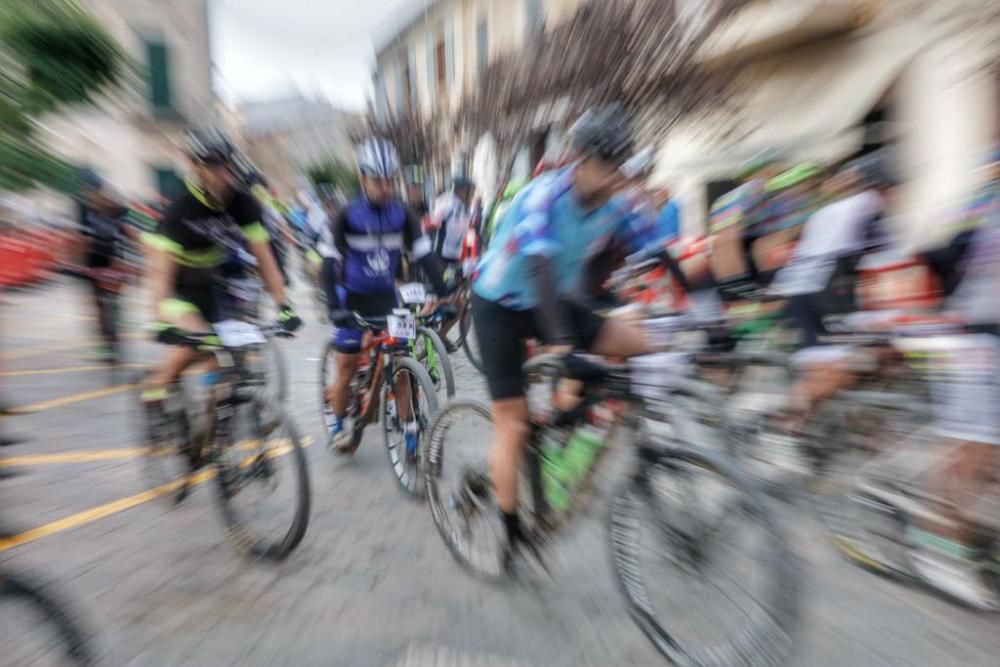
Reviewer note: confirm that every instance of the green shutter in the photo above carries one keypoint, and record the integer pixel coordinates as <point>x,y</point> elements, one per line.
<point>169,184</point>
<point>159,75</point>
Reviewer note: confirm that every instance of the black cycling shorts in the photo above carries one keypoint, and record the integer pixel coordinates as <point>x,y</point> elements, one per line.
<point>203,300</point>
<point>502,332</point>
<point>807,312</point>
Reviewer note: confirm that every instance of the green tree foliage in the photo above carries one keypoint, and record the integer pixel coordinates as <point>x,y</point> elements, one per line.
<point>52,54</point>
<point>334,173</point>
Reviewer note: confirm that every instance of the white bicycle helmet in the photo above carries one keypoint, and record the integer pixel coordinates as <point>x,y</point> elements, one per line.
<point>377,158</point>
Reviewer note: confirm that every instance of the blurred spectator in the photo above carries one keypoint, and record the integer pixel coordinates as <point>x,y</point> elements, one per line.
<point>416,201</point>
<point>104,227</point>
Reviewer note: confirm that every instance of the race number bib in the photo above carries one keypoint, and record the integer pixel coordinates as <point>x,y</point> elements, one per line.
<point>234,333</point>
<point>401,324</point>
<point>413,294</point>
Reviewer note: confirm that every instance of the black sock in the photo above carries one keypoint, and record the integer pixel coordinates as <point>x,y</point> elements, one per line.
<point>513,525</point>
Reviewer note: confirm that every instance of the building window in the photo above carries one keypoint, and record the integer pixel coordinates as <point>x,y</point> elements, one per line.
<point>168,183</point>
<point>534,18</point>
<point>431,69</point>
<point>401,87</point>
<point>482,45</point>
<point>441,66</point>
<point>411,78</point>
<point>158,60</point>
<point>449,51</point>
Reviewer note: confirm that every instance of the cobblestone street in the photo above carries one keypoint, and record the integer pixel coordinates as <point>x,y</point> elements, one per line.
<point>372,583</point>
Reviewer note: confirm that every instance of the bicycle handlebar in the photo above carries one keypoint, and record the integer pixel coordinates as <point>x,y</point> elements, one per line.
<point>204,340</point>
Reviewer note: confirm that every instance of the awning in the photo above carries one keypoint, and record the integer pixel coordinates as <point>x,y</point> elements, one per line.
<point>807,104</point>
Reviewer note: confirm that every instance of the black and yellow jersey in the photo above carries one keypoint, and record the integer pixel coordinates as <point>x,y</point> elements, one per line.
<point>201,232</point>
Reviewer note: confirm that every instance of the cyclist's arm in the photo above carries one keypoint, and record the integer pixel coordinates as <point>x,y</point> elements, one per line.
<point>162,270</point>
<point>549,311</point>
<point>639,235</point>
<point>534,237</point>
<point>420,248</point>
<point>248,217</point>
<point>163,245</point>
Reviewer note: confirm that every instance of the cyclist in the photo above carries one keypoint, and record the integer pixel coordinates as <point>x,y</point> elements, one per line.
<point>369,237</point>
<point>415,195</point>
<point>966,394</point>
<point>730,221</point>
<point>199,229</point>
<point>528,283</point>
<point>813,281</point>
<point>450,220</point>
<point>104,230</point>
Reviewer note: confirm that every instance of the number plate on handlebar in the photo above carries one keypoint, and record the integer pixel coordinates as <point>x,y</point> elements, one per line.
<point>401,324</point>
<point>234,333</point>
<point>413,293</point>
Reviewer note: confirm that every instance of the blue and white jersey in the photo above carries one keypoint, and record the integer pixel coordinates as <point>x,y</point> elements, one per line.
<point>369,242</point>
<point>546,219</point>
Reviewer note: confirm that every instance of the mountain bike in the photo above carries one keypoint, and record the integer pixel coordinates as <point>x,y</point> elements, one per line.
<point>243,439</point>
<point>241,298</point>
<point>37,627</point>
<point>427,346</point>
<point>385,371</point>
<point>675,511</point>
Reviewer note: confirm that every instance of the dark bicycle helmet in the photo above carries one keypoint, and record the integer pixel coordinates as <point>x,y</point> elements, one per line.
<point>876,169</point>
<point>604,132</point>
<point>210,145</point>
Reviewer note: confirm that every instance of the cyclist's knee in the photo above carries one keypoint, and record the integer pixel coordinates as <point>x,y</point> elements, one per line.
<point>511,421</point>
<point>347,363</point>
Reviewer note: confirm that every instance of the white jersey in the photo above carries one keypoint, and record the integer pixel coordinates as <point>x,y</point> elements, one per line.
<point>451,218</point>
<point>319,223</point>
<point>834,231</point>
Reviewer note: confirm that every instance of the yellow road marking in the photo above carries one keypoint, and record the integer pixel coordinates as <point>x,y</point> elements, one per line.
<point>120,505</point>
<point>73,457</point>
<point>66,369</point>
<point>88,456</point>
<point>99,512</point>
<point>77,345</point>
<point>69,400</point>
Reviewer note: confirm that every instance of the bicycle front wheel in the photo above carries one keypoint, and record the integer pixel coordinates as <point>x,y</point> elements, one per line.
<point>470,341</point>
<point>458,487</point>
<point>703,566</point>
<point>36,628</point>
<point>409,403</point>
<point>263,482</point>
<point>431,352</point>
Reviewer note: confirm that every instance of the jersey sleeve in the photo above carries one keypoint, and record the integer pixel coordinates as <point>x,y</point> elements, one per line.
<point>637,231</point>
<point>169,234</point>
<point>249,215</point>
<point>414,239</point>
<point>534,235</point>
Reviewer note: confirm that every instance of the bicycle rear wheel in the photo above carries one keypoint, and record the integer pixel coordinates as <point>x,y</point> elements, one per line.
<point>669,526</point>
<point>422,404</point>
<point>36,628</point>
<point>166,444</point>
<point>263,482</point>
